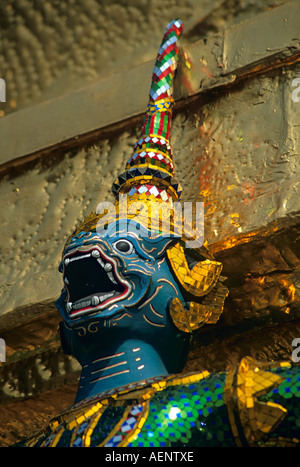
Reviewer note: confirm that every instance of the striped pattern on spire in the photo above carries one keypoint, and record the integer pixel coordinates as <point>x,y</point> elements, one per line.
<point>150,170</point>
<point>166,62</point>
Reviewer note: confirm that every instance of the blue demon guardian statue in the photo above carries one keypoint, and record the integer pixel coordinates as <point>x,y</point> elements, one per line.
<point>133,293</point>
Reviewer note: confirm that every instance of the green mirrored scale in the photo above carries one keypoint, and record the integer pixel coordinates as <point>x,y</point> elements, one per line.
<point>183,415</point>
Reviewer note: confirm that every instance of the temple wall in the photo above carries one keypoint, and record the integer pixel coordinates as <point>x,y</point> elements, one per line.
<point>50,47</point>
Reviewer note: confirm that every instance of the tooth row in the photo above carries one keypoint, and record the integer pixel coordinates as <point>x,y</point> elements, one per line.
<point>96,254</point>
<point>81,304</point>
<point>108,295</point>
<point>69,260</point>
<point>94,301</point>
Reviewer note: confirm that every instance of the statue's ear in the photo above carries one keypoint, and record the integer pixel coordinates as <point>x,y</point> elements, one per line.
<point>190,316</point>
<point>196,271</point>
<point>198,274</point>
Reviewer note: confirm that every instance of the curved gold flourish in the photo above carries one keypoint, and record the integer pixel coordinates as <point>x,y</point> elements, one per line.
<point>189,319</point>
<point>199,280</point>
<point>192,317</point>
<point>250,419</point>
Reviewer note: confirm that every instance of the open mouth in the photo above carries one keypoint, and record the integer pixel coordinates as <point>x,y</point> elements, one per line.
<point>92,281</point>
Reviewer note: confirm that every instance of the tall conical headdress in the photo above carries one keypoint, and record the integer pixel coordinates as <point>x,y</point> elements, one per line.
<point>150,171</point>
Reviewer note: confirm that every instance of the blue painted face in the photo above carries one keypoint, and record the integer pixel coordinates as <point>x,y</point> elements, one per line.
<point>115,277</point>
<point>121,289</point>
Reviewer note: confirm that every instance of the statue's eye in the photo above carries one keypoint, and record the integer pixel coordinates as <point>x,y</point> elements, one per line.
<point>124,246</point>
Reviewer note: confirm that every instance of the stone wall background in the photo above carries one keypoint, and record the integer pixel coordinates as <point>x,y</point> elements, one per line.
<point>49,47</point>
<point>235,148</point>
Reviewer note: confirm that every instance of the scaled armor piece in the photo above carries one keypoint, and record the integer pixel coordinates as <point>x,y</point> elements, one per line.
<point>133,293</point>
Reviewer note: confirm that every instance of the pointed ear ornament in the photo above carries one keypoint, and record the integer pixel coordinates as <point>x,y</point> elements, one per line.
<point>197,281</point>
<point>201,282</point>
<point>251,419</point>
<point>191,316</point>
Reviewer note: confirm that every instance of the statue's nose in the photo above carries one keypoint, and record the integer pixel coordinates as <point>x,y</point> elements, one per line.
<point>81,235</point>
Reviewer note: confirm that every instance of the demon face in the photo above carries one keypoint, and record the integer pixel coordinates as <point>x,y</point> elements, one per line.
<point>112,273</point>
